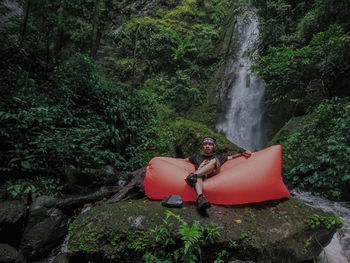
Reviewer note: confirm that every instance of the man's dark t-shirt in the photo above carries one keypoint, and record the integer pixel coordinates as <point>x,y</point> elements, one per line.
<point>201,160</point>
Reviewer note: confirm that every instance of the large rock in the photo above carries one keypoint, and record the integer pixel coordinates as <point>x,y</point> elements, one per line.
<point>9,254</point>
<point>188,136</point>
<point>12,216</point>
<point>45,228</point>
<point>294,125</point>
<point>276,231</point>
<point>47,221</point>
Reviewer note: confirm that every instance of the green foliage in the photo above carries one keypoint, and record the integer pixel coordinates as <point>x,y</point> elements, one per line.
<point>295,22</point>
<point>181,46</point>
<point>158,244</point>
<point>38,185</point>
<point>250,238</point>
<point>175,91</point>
<point>322,14</point>
<point>303,52</point>
<point>304,76</point>
<point>316,221</point>
<point>79,118</point>
<point>222,256</point>
<point>307,244</point>
<point>57,105</point>
<point>172,53</point>
<point>211,232</point>
<point>320,154</point>
<point>232,244</point>
<point>243,235</point>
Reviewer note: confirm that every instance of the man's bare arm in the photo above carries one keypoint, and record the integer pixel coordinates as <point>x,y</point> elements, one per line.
<point>245,153</point>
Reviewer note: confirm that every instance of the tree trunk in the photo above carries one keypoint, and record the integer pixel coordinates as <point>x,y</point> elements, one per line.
<point>134,187</point>
<point>74,202</point>
<point>95,31</point>
<point>25,21</point>
<point>59,37</point>
<point>48,33</point>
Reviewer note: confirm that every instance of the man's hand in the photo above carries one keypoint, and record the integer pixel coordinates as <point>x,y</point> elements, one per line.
<point>247,153</point>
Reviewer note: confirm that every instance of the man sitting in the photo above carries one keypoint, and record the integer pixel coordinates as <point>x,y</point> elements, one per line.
<point>207,165</point>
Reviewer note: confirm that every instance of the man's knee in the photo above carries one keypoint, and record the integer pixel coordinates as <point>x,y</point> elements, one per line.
<point>212,165</point>
<point>213,162</point>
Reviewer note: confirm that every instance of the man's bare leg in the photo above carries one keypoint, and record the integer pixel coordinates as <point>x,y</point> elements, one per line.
<point>199,186</point>
<point>207,169</point>
<point>202,202</point>
<point>192,178</point>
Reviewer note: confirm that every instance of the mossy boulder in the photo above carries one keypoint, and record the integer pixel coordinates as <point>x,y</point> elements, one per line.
<point>275,231</point>
<point>182,138</point>
<point>294,125</point>
<point>315,149</point>
<point>188,136</point>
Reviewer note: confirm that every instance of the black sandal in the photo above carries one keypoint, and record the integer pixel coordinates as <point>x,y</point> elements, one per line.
<point>191,179</point>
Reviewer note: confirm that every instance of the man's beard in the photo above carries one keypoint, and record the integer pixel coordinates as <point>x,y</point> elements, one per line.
<point>208,151</point>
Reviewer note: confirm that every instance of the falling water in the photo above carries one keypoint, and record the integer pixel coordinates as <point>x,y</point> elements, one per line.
<point>9,8</point>
<point>242,123</point>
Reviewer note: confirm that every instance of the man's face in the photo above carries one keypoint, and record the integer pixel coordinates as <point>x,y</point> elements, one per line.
<point>208,148</point>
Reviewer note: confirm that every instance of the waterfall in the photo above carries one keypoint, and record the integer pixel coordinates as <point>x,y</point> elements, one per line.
<point>242,123</point>
<point>242,126</point>
<point>8,9</point>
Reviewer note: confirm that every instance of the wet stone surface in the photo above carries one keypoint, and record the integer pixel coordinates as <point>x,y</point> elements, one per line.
<point>277,231</point>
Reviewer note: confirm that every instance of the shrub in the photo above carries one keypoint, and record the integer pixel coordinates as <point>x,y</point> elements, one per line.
<point>305,76</point>
<point>320,156</point>
<point>78,118</point>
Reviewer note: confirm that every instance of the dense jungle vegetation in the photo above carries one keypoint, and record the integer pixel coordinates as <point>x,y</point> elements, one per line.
<point>305,62</point>
<point>100,82</point>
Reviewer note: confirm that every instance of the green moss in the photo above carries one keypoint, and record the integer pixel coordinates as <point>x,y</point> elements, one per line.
<point>110,230</point>
<point>158,240</point>
<point>188,136</point>
<point>294,125</point>
<point>226,47</point>
<point>287,135</point>
<point>252,238</point>
<point>88,242</point>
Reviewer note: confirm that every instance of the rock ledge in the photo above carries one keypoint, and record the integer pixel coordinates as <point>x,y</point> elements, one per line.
<point>275,231</point>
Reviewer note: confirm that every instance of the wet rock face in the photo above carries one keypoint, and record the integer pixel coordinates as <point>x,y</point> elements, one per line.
<point>9,254</point>
<point>45,228</point>
<point>36,230</point>
<point>12,216</point>
<point>276,231</point>
<point>45,235</point>
<point>62,258</point>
